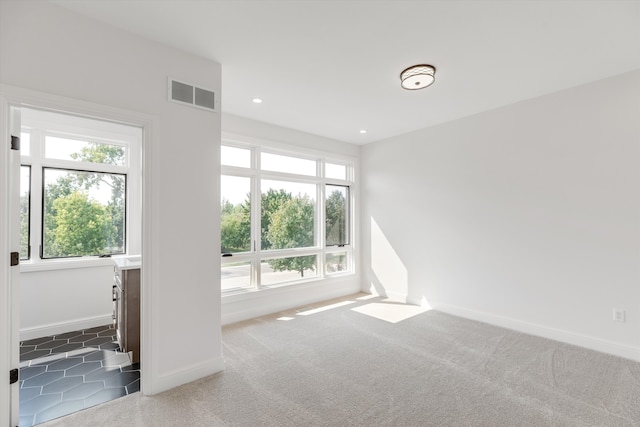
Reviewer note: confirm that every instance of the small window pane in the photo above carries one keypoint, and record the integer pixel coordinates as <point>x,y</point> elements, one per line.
<point>232,156</point>
<point>277,163</point>
<point>83,213</point>
<point>287,215</point>
<point>284,270</point>
<point>25,144</point>
<point>83,151</point>
<point>337,215</point>
<point>25,211</point>
<point>236,276</point>
<point>336,262</point>
<point>235,214</point>
<point>335,171</point>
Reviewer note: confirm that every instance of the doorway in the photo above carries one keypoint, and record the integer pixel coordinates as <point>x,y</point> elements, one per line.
<point>73,164</point>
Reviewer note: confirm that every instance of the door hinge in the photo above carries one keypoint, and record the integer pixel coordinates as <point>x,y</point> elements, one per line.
<point>15,143</point>
<point>15,259</point>
<point>14,375</point>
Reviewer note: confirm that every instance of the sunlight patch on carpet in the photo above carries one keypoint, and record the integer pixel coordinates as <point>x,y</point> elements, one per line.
<point>366,297</point>
<point>392,313</point>
<point>324,308</point>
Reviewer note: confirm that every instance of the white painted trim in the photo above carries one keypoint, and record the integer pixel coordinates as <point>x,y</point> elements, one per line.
<point>186,375</point>
<point>62,327</point>
<point>150,210</point>
<point>592,343</point>
<point>244,306</point>
<point>5,271</point>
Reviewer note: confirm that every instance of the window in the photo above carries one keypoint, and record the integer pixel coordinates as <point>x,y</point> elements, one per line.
<point>233,156</point>
<point>285,217</point>
<point>84,151</point>
<point>335,171</point>
<point>288,164</point>
<point>290,269</point>
<point>76,197</point>
<point>287,214</point>
<point>337,215</point>
<point>235,213</point>
<point>25,211</point>
<point>336,262</point>
<point>25,143</point>
<point>84,213</point>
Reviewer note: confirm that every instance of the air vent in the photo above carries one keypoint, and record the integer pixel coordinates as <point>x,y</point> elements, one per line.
<point>185,93</point>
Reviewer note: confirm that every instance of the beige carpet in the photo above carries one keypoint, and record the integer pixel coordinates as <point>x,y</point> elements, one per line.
<point>366,362</point>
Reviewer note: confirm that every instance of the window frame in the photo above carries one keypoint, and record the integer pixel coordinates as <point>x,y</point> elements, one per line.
<point>42,123</point>
<point>257,256</point>
<point>43,217</point>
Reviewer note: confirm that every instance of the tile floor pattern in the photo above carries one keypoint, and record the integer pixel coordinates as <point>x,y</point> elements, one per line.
<point>69,372</point>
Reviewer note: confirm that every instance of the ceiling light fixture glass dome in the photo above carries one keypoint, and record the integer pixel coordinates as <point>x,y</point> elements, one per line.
<point>418,77</point>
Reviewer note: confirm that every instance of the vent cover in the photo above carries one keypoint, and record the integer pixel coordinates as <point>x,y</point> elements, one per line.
<point>198,97</point>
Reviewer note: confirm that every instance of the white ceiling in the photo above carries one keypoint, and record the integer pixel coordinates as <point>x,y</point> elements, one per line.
<point>332,68</point>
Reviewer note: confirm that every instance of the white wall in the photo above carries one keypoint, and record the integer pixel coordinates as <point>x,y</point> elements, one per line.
<point>49,49</point>
<point>526,216</point>
<point>58,301</point>
<point>249,305</point>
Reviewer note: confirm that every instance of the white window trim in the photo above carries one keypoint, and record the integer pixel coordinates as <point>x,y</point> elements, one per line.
<point>254,172</point>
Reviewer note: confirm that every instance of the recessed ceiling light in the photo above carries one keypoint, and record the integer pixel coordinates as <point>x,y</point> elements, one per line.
<point>418,76</point>
<point>363,131</point>
<point>256,101</point>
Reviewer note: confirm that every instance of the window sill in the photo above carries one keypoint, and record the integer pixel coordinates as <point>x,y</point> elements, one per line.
<point>64,264</point>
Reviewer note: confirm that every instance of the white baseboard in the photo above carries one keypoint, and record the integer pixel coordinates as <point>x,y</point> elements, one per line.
<point>183,376</point>
<point>592,343</point>
<point>62,327</point>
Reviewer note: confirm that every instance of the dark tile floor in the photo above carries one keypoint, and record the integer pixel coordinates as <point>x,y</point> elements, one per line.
<point>69,372</point>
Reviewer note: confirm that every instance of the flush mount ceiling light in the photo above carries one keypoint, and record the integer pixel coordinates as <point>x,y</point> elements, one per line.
<point>418,76</point>
<point>256,101</point>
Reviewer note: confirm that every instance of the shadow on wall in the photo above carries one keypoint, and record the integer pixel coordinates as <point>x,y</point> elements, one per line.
<point>390,276</point>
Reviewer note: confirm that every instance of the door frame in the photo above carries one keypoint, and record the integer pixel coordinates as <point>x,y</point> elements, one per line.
<point>12,96</point>
<point>9,234</point>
